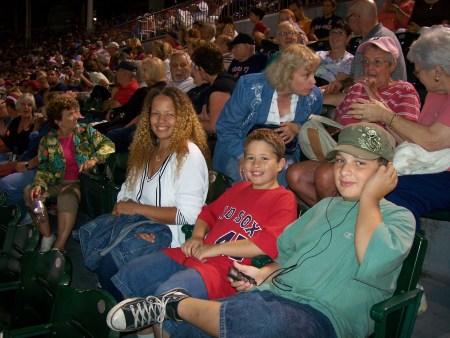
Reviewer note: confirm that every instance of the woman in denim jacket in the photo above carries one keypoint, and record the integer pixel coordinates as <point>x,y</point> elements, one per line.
<point>64,152</point>
<point>281,98</point>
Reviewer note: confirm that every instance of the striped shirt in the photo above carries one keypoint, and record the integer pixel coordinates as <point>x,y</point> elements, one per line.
<point>401,97</point>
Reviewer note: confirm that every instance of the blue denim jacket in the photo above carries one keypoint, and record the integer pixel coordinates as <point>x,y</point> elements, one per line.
<point>249,105</point>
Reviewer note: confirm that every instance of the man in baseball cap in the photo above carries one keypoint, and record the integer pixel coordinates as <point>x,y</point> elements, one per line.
<point>246,59</point>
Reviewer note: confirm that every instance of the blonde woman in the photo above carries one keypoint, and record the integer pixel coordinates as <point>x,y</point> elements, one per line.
<point>282,98</point>
<point>166,187</point>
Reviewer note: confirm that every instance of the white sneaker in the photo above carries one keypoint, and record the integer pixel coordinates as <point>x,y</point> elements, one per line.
<point>47,243</point>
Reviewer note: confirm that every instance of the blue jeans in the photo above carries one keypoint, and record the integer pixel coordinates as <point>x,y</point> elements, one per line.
<point>155,274</point>
<point>264,314</point>
<point>116,235</point>
<point>422,193</point>
<point>14,184</point>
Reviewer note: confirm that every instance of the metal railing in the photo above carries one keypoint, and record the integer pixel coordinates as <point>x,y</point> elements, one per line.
<point>155,25</point>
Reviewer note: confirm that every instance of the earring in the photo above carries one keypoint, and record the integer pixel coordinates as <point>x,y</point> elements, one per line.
<point>436,79</point>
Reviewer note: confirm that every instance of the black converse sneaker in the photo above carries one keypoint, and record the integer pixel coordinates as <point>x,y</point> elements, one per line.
<point>135,314</point>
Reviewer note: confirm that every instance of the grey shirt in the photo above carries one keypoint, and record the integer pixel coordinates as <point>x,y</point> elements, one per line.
<point>378,31</point>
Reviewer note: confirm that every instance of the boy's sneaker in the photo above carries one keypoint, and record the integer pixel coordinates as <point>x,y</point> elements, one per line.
<point>135,314</point>
<point>47,243</point>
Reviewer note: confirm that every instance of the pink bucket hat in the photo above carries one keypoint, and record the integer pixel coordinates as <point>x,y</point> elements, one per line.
<point>384,43</point>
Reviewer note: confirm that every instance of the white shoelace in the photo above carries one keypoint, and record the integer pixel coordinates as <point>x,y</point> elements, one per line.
<point>152,308</point>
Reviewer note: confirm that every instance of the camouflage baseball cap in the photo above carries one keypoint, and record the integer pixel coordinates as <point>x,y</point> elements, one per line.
<point>367,141</point>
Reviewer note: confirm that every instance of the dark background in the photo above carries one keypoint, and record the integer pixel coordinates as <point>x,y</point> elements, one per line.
<point>54,13</point>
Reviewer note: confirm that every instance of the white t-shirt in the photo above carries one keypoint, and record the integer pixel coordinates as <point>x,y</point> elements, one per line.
<point>186,191</point>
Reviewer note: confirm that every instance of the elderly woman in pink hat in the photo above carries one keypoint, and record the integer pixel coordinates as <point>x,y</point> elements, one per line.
<point>313,180</point>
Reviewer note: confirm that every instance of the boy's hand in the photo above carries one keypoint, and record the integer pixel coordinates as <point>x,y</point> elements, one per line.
<point>191,246</point>
<point>205,251</point>
<point>249,271</point>
<point>382,183</point>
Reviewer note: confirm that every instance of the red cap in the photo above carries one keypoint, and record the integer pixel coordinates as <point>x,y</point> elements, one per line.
<point>33,84</point>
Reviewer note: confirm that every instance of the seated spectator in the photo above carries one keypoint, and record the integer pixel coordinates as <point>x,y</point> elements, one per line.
<point>133,43</point>
<point>67,150</point>
<point>103,66</point>
<point>286,35</point>
<point>395,14</point>
<point>230,229</point>
<point>311,287</point>
<point>260,30</point>
<point>199,94</point>
<point>53,75</point>
<point>283,96</point>
<point>113,50</point>
<point>321,26</point>
<point>3,109</point>
<point>363,20</point>
<point>139,53</point>
<point>226,23</point>
<point>229,29</point>
<point>296,6</point>
<point>168,156</point>
<point>163,50</point>
<point>427,13</point>
<point>246,59</point>
<point>79,79</point>
<point>100,51</point>
<point>336,63</point>
<point>125,85</point>
<point>193,44</point>
<point>173,39</point>
<point>417,190</point>
<point>180,70</point>
<point>288,15</point>
<point>208,31</point>
<point>209,61</point>
<point>153,73</point>
<point>191,33</point>
<point>223,43</point>
<point>312,180</point>
<point>20,173</point>
<point>10,103</point>
<point>96,78</point>
<point>34,87</point>
<point>16,135</point>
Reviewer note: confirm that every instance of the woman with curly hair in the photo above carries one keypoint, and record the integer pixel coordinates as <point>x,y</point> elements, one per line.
<point>166,187</point>
<point>68,149</point>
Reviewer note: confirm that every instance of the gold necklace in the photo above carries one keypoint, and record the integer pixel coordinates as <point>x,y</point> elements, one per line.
<point>159,155</point>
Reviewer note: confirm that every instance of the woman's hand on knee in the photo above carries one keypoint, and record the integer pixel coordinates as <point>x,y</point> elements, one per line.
<point>147,237</point>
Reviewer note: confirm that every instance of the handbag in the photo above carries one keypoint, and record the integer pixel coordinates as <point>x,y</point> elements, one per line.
<point>314,140</point>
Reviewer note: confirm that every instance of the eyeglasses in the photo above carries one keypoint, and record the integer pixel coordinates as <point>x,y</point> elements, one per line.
<point>377,63</point>
<point>286,34</point>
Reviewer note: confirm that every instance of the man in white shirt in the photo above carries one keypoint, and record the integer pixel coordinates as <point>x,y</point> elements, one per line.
<point>180,69</point>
